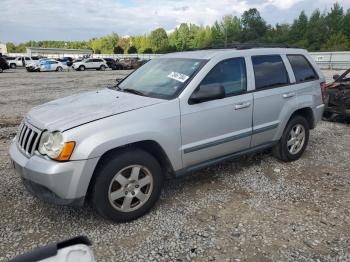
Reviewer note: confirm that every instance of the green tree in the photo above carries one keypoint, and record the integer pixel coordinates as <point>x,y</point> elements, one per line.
<point>254,26</point>
<point>298,28</point>
<point>316,32</point>
<point>118,50</point>
<point>337,42</point>
<point>159,40</point>
<point>11,47</point>
<point>132,50</point>
<point>346,21</point>
<point>335,20</point>
<point>148,50</point>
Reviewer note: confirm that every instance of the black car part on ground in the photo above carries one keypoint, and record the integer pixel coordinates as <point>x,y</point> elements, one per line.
<point>338,98</point>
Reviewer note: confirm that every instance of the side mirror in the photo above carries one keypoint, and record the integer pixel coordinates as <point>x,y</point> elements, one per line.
<point>335,77</point>
<point>206,93</point>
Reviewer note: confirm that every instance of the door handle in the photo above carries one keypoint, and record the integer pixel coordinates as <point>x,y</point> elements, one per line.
<point>242,105</point>
<point>287,95</point>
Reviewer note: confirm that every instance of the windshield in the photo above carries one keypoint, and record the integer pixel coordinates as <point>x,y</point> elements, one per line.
<point>163,77</point>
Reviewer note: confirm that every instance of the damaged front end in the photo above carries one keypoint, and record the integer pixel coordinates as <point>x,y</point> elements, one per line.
<point>338,98</point>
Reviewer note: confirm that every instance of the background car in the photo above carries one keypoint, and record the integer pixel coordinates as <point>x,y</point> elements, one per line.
<point>111,63</point>
<point>91,63</point>
<point>3,64</point>
<point>47,65</point>
<point>66,60</point>
<point>22,61</point>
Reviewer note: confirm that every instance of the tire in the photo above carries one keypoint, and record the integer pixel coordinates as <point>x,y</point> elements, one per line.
<point>1,70</point>
<point>106,179</point>
<point>13,66</point>
<point>285,152</point>
<point>102,68</point>
<point>59,69</point>
<point>81,68</point>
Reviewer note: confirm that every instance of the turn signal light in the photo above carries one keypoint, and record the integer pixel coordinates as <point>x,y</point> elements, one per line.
<point>66,151</point>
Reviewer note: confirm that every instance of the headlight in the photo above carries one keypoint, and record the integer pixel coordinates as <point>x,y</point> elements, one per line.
<point>51,144</point>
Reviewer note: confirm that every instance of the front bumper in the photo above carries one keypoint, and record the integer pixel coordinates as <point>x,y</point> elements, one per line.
<point>62,183</point>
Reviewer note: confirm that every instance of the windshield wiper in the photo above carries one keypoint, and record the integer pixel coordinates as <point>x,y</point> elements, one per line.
<point>133,91</point>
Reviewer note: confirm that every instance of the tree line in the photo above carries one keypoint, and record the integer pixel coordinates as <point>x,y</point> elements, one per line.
<point>327,31</point>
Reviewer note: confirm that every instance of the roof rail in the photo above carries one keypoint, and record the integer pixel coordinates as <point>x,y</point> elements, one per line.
<point>242,46</point>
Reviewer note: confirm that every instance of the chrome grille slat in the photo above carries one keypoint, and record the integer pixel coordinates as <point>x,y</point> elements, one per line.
<point>24,137</point>
<point>28,139</point>
<point>22,134</point>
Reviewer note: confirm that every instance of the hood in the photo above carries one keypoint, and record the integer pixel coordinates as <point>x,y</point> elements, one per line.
<point>72,111</point>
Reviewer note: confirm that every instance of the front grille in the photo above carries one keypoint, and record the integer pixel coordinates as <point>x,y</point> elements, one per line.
<point>27,139</point>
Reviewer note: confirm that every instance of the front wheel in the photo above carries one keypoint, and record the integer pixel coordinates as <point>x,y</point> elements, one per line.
<point>13,66</point>
<point>127,185</point>
<point>1,70</point>
<point>81,68</point>
<point>102,68</point>
<point>59,69</point>
<point>294,140</point>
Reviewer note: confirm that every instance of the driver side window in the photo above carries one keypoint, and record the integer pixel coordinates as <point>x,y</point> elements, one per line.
<point>231,74</point>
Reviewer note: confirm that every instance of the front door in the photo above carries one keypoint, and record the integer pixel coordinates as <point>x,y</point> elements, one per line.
<point>218,127</point>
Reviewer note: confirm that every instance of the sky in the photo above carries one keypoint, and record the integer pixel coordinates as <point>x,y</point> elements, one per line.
<point>69,20</point>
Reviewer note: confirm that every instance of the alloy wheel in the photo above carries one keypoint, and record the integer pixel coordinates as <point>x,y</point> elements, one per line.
<point>130,188</point>
<point>296,139</point>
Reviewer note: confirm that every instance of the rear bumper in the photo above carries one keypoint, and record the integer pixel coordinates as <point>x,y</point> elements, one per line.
<point>62,183</point>
<point>318,112</point>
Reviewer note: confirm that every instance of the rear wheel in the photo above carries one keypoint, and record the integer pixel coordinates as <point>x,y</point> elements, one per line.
<point>102,68</point>
<point>127,185</point>
<point>59,69</point>
<point>294,140</point>
<point>1,70</point>
<point>81,68</point>
<point>13,66</point>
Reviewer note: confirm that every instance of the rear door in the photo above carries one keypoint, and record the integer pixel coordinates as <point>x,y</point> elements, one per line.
<point>272,92</point>
<point>307,81</point>
<point>89,63</point>
<point>219,127</point>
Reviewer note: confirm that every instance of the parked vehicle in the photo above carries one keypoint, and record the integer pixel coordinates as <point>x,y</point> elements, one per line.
<point>178,113</point>
<point>91,63</point>
<point>22,61</point>
<point>3,64</point>
<point>66,61</point>
<point>129,63</point>
<point>338,98</point>
<point>111,63</point>
<point>46,65</point>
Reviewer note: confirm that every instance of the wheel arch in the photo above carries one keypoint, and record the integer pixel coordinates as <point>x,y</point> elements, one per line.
<point>305,112</point>
<point>150,146</point>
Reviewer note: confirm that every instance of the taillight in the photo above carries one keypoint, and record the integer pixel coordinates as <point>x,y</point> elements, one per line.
<point>323,91</point>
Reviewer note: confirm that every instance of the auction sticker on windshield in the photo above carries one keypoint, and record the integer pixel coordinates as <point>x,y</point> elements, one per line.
<point>178,76</point>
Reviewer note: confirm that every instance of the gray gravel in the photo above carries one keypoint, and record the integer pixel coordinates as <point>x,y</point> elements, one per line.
<point>254,208</point>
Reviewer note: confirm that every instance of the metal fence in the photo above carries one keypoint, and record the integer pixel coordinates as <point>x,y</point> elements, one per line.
<point>332,60</point>
<point>325,60</point>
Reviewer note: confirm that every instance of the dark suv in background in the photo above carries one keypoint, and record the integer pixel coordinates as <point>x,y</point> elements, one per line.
<point>111,63</point>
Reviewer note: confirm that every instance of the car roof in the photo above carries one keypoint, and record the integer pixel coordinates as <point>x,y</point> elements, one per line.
<point>211,53</point>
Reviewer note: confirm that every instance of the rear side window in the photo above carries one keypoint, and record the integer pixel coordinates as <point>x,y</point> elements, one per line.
<point>231,74</point>
<point>269,71</point>
<point>303,71</point>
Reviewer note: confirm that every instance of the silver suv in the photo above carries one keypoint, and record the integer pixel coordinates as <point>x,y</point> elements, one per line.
<point>176,114</point>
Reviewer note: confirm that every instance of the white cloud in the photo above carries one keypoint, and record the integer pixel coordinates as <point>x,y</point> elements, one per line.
<point>83,19</point>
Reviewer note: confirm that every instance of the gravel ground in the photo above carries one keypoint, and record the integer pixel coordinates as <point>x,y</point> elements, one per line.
<point>254,208</point>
